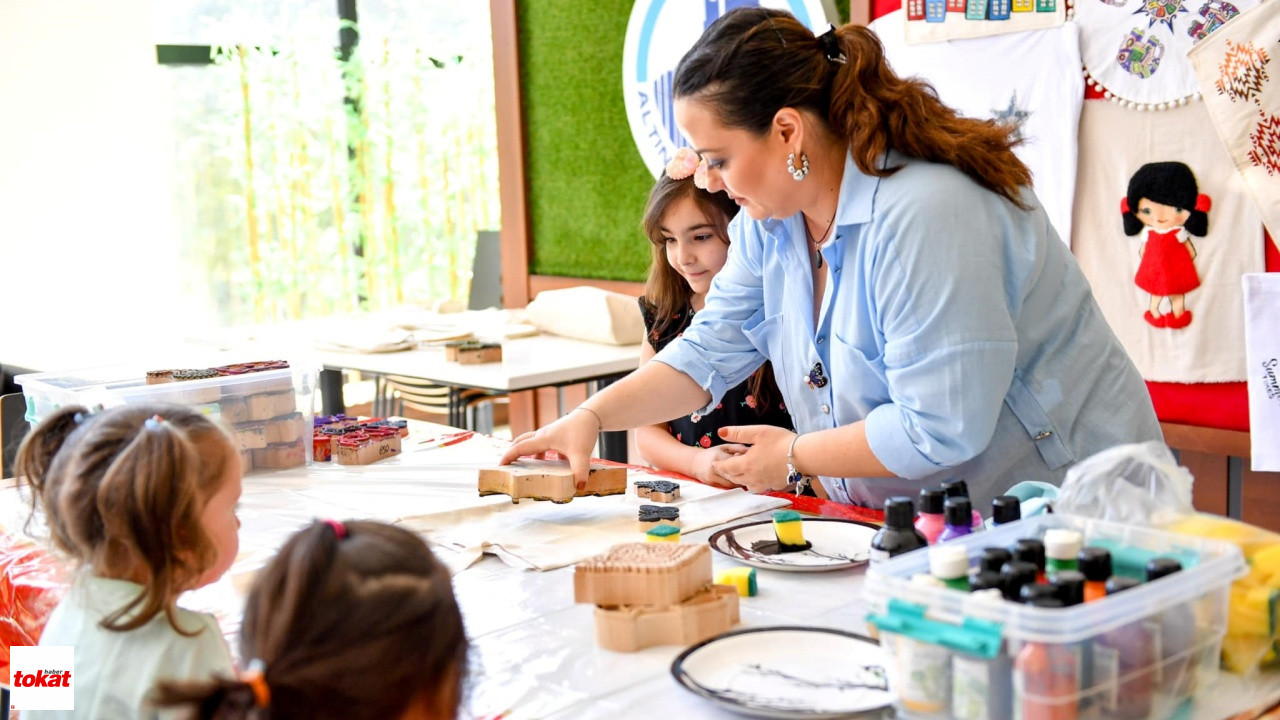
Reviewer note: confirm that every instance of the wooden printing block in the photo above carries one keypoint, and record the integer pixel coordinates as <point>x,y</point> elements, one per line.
<point>280,455</point>
<point>233,409</point>
<point>658,490</point>
<point>266,405</point>
<point>321,447</point>
<point>246,461</point>
<point>710,612</point>
<point>401,425</point>
<point>651,515</point>
<point>252,435</point>
<point>472,352</point>
<point>550,480</point>
<point>285,429</point>
<point>366,446</point>
<point>643,574</point>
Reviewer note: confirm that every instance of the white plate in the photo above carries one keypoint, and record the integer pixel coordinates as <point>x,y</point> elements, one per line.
<point>836,545</point>
<point>789,672</point>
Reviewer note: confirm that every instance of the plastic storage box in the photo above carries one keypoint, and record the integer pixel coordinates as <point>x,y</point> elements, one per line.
<point>268,412</point>
<point>1140,654</point>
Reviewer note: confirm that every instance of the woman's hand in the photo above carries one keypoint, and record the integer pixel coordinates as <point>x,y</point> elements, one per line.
<point>763,466</point>
<point>704,460</point>
<point>573,436</point>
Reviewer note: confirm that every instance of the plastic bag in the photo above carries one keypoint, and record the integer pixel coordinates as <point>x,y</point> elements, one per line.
<point>1139,484</point>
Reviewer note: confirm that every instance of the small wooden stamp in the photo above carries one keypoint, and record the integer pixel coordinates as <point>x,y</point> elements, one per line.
<point>233,409</point>
<point>155,377</point>
<point>550,480</point>
<point>472,352</point>
<point>651,515</point>
<point>630,628</point>
<point>285,429</point>
<point>280,455</point>
<point>321,447</point>
<point>252,435</point>
<point>643,574</point>
<point>266,405</point>
<point>364,447</point>
<point>658,490</point>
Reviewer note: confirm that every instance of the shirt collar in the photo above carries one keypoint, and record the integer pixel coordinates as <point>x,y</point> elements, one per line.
<point>857,191</point>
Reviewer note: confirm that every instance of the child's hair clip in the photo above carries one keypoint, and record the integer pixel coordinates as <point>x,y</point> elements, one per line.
<point>683,164</point>
<point>152,422</point>
<point>255,677</point>
<point>338,528</point>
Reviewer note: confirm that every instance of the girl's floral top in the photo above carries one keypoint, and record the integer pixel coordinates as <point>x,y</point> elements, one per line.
<point>738,407</point>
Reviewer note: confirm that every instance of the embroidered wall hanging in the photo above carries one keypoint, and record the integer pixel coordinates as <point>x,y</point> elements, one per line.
<point>1135,51</point>
<point>1239,76</point>
<point>933,20</point>
<point>1164,231</point>
<point>1027,79</point>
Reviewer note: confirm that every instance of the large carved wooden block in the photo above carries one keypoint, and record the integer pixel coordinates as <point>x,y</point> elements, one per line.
<point>710,612</point>
<point>550,480</point>
<point>643,574</point>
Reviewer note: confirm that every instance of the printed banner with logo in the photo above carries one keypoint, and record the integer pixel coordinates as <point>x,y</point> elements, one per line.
<point>1240,80</point>
<point>1030,80</point>
<point>659,33</point>
<point>1164,230</point>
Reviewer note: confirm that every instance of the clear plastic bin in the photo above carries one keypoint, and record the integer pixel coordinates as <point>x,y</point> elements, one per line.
<point>1138,655</point>
<point>269,413</point>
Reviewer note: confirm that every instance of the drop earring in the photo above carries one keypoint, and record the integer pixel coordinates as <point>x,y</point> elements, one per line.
<point>797,173</point>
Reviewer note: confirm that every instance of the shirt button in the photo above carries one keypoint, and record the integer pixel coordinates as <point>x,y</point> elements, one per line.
<point>826,409</point>
<point>1043,434</point>
<point>821,339</point>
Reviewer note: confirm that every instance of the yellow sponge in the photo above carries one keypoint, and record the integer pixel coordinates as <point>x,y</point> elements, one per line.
<point>789,529</point>
<point>663,533</point>
<point>742,578</point>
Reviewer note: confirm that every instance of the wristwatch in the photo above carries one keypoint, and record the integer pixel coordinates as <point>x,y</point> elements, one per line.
<point>795,479</point>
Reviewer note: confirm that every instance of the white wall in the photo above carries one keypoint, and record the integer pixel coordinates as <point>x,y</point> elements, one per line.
<point>84,220</point>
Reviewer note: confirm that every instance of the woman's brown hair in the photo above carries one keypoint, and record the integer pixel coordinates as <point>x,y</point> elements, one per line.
<point>666,291</point>
<point>357,622</point>
<point>753,62</point>
<point>122,492</point>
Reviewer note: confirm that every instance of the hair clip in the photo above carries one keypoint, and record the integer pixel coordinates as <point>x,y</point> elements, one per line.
<point>255,677</point>
<point>831,46</point>
<point>78,417</point>
<point>338,528</point>
<point>152,422</point>
<point>683,164</point>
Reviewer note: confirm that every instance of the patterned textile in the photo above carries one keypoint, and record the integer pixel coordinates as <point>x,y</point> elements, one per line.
<point>1239,76</point>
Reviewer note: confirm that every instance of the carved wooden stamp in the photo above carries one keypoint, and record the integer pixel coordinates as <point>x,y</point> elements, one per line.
<point>472,352</point>
<point>643,574</point>
<point>658,490</point>
<point>366,446</point>
<point>630,628</point>
<point>651,515</point>
<point>550,480</point>
<point>280,455</point>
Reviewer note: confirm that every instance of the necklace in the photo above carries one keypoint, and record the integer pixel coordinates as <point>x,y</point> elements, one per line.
<point>817,244</point>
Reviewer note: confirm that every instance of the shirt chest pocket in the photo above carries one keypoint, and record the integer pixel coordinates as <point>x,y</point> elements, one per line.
<point>858,378</point>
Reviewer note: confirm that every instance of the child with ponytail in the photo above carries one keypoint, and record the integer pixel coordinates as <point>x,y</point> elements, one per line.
<point>354,620</point>
<point>143,499</point>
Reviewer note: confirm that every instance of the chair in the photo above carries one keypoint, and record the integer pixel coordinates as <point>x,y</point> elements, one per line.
<point>13,426</point>
<point>467,408</point>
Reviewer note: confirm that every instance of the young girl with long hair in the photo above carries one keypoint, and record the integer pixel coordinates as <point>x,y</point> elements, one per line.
<point>688,230</point>
<point>143,499</point>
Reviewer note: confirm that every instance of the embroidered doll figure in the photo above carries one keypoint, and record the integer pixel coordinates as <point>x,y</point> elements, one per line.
<point>1163,198</point>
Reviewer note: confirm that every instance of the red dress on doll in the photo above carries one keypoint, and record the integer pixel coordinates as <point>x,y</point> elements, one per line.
<point>1166,267</point>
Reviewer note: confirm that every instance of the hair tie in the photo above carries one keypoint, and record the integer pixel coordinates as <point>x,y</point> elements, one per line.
<point>338,528</point>
<point>152,422</point>
<point>1203,202</point>
<point>255,678</point>
<point>1124,206</point>
<point>683,164</point>
<point>831,46</point>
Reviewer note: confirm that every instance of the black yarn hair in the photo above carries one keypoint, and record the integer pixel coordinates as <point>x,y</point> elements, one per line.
<point>1168,183</point>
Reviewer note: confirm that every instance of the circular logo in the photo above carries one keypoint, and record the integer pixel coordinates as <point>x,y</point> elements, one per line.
<point>659,33</point>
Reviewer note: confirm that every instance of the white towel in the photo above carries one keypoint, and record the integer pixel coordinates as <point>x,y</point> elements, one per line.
<point>1238,74</point>
<point>1262,341</point>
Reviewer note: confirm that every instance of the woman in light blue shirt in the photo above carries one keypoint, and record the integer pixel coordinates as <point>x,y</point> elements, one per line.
<point>924,320</point>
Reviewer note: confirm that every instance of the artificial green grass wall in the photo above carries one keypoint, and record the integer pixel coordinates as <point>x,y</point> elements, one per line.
<point>586,182</point>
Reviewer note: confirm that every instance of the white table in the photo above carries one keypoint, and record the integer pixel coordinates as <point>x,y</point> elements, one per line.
<point>533,649</point>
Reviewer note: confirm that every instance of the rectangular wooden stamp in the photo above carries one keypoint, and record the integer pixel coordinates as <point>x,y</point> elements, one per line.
<point>550,480</point>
